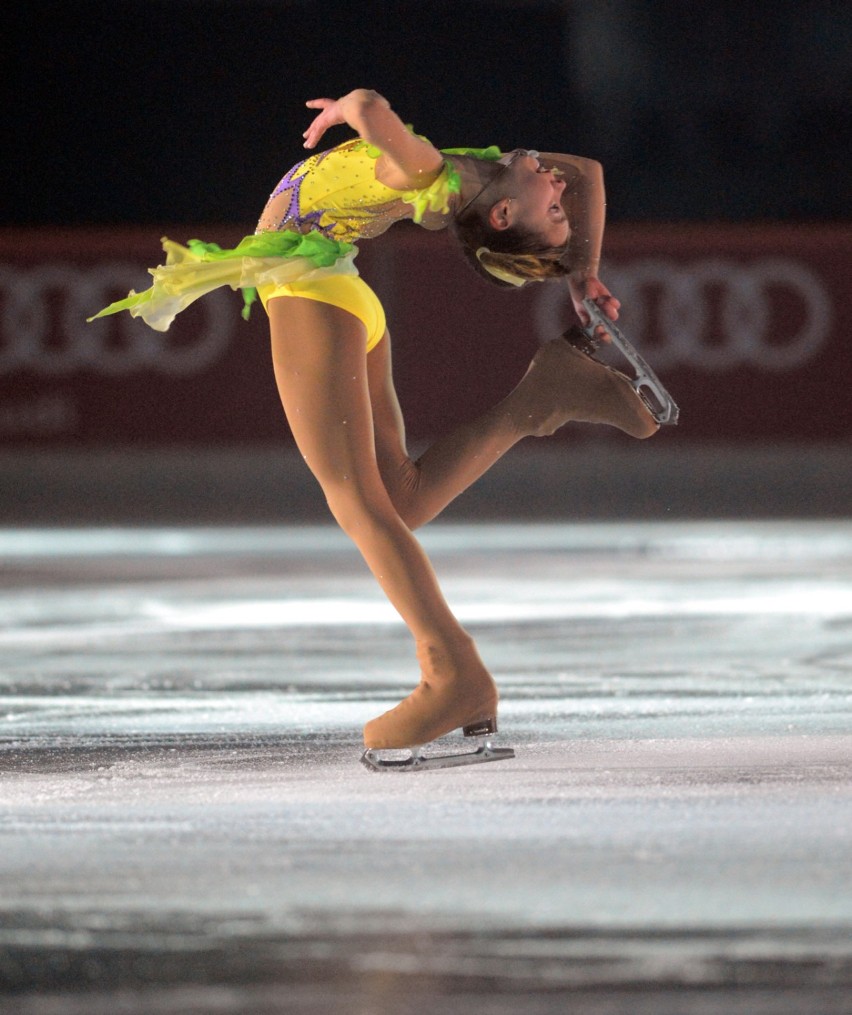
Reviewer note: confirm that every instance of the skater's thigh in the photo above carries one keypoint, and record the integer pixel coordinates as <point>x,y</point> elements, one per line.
<point>320,362</point>
<point>388,422</point>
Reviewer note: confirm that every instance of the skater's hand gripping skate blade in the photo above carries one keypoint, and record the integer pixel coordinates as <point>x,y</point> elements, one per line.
<point>646,384</point>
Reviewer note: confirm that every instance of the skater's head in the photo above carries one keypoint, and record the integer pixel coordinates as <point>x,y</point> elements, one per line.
<point>512,227</point>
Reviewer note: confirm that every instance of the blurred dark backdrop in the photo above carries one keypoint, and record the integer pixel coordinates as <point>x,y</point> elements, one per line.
<point>145,116</point>
<point>143,111</point>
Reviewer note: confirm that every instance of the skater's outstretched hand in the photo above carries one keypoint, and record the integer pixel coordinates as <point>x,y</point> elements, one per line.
<point>407,160</point>
<point>330,115</point>
<point>590,287</point>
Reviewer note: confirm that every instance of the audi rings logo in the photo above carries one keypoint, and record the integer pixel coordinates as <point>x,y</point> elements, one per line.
<point>43,327</point>
<point>712,314</point>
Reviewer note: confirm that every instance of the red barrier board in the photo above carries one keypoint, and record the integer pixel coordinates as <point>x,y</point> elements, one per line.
<point>746,325</point>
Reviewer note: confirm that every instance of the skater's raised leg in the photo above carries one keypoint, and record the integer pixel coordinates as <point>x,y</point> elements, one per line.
<point>561,385</point>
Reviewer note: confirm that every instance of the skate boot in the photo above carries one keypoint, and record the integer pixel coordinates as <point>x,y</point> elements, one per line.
<point>451,695</point>
<point>565,384</point>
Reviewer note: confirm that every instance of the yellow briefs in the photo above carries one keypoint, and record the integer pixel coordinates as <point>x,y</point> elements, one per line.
<point>349,292</point>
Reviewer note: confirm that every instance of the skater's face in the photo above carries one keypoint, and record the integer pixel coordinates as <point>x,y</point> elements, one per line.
<point>532,200</point>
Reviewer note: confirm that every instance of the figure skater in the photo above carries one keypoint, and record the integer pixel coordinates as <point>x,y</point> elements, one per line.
<point>519,218</point>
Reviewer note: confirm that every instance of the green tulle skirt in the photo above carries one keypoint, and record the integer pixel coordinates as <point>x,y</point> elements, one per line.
<point>198,268</point>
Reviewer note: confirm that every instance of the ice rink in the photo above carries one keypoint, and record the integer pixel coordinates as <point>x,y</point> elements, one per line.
<point>186,827</point>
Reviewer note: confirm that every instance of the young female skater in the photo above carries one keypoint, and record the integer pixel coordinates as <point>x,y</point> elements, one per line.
<point>520,217</point>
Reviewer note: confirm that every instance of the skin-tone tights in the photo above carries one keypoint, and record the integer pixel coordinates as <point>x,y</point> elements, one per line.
<point>343,412</point>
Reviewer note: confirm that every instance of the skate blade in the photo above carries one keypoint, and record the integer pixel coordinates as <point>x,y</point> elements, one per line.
<point>416,762</point>
<point>646,384</point>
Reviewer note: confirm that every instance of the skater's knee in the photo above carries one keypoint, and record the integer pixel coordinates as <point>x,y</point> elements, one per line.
<point>348,508</point>
<point>357,509</point>
<point>398,495</point>
<point>403,483</point>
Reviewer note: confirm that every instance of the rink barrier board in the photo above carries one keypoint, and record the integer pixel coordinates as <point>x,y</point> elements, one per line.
<point>747,325</point>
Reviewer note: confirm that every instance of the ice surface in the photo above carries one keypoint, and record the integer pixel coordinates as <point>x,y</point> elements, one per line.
<point>184,824</point>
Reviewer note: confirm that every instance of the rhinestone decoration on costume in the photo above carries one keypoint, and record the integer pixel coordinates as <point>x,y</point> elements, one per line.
<point>336,193</point>
<point>307,230</point>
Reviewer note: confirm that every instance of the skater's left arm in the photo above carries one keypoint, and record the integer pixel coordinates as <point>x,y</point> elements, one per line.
<point>584,201</point>
<point>407,160</point>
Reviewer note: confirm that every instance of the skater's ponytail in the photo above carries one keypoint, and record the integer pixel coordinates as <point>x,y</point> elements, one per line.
<point>509,257</point>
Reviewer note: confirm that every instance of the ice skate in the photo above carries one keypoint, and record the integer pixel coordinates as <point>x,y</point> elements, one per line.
<point>645,383</point>
<point>454,693</point>
<point>416,761</point>
<point>565,384</point>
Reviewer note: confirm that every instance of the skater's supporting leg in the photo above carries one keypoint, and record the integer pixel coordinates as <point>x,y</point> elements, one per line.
<point>320,366</point>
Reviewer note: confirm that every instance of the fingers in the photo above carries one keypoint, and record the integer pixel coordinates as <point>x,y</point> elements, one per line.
<point>314,132</point>
<point>608,305</point>
<point>600,333</point>
<point>320,123</point>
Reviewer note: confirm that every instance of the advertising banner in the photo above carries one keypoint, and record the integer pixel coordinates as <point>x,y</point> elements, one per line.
<point>746,325</point>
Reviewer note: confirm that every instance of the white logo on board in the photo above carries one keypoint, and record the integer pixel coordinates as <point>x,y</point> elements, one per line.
<point>43,327</point>
<point>712,314</point>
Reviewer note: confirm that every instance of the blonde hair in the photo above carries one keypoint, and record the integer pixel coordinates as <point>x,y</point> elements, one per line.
<point>508,257</point>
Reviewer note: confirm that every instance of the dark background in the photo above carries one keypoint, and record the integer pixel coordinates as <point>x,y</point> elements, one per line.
<point>126,120</point>
<point>139,111</point>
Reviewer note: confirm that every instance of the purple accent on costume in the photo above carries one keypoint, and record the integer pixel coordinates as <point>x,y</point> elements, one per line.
<point>293,213</point>
<point>287,181</point>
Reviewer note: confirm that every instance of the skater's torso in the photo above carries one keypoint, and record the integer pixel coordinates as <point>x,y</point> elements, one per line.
<point>336,193</point>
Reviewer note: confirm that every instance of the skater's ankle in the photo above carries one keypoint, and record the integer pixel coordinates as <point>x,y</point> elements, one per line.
<point>444,647</point>
<point>456,658</point>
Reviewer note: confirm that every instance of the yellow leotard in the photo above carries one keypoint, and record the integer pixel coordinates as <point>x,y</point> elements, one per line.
<point>349,292</point>
<point>336,193</point>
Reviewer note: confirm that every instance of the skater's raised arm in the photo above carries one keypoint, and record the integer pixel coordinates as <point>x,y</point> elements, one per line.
<point>407,161</point>
<point>584,202</point>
